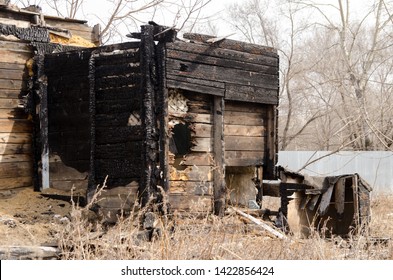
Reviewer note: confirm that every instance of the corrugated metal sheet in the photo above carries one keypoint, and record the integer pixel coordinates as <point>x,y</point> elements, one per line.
<point>375,167</point>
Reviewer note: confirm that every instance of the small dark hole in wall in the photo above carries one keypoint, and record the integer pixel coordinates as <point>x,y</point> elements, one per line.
<point>180,143</point>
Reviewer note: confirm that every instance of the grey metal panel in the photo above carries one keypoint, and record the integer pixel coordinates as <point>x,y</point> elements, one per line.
<point>376,167</point>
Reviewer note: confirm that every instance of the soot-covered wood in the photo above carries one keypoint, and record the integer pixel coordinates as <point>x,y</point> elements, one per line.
<point>118,141</point>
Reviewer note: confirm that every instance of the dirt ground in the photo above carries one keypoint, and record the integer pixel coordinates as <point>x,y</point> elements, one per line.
<point>29,218</point>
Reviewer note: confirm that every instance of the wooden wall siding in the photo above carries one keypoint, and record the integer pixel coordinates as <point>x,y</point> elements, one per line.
<point>245,133</point>
<point>68,119</point>
<point>15,127</point>
<point>19,37</point>
<point>118,130</point>
<point>191,176</point>
<point>220,71</point>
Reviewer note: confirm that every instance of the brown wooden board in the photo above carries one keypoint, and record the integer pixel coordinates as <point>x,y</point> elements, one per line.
<point>221,74</point>
<point>192,188</point>
<point>9,103</point>
<point>244,143</point>
<point>16,182</point>
<point>239,118</point>
<point>198,159</point>
<point>202,145</point>
<point>214,51</point>
<point>247,158</point>
<point>15,126</point>
<point>15,169</point>
<point>15,138</point>
<point>10,93</point>
<point>232,44</point>
<point>15,158</point>
<point>252,94</point>
<point>193,203</point>
<point>12,74</point>
<point>244,130</point>
<point>224,62</point>
<point>13,114</point>
<point>197,87</point>
<point>12,84</point>
<point>201,130</point>
<point>7,56</point>
<point>192,173</point>
<point>12,66</point>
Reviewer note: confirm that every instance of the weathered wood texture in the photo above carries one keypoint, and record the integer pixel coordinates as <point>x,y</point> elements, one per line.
<point>20,34</point>
<point>68,126</point>
<point>191,175</point>
<point>225,70</point>
<point>15,128</point>
<point>118,130</point>
<point>245,133</point>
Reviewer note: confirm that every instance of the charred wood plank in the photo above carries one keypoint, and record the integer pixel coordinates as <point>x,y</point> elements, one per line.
<point>223,62</point>
<point>112,135</point>
<point>233,55</point>
<point>220,188</point>
<point>118,168</point>
<point>221,74</point>
<point>251,94</point>
<point>195,87</point>
<point>131,150</point>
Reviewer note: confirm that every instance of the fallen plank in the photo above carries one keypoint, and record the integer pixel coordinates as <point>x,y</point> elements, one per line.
<point>29,253</point>
<point>260,224</point>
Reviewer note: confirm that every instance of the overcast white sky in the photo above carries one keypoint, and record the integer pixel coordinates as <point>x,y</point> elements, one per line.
<point>96,11</point>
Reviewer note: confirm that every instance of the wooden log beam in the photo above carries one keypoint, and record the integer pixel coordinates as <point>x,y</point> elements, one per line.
<point>29,253</point>
<point>261,224</point>
<point>220,188</point>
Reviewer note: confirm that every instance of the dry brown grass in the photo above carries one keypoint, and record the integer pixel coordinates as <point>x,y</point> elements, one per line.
<point>208,237</point>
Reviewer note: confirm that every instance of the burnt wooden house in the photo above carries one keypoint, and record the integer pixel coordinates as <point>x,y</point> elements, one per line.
<point>160,119</point>
<point>25,33</point>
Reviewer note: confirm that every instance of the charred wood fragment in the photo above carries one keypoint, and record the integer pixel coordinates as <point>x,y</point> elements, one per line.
<point>33,33</point>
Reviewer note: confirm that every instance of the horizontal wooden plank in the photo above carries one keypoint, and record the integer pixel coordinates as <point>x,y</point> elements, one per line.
<point>244,143</point>
<point>13,114</point>
<point>12,84</point>
<point>13,74</point>
<point>244,158</point>
<point>243,130</point>
<point>198,159</point>
<point>202,145</point>
<point>246,107</point>
<point>251,94</point>
<point>16,182</point>
<point>192,173</point>
<point>221,74</point>
<point>195,87</point>
<point>9,103</point>
<point>16,169</point>
<point>68,25</point>
<point>231,44</point>
<point>191,203</point>
<point>17,23</point>
<point>194,188</point>
<point>8,56</point>
<point>201,130</point>
<point>223,53</point>
<point>16,158</point>
<point>199,118</point>
<point>12,66</point>
<point>10,93</point>
<point>206,58</point>
<point>11,149</point>
<point>15,126</point>
<point>15,138</point>
<point>238,118</point>
<point>16,46</point>
<point>212,84</point>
